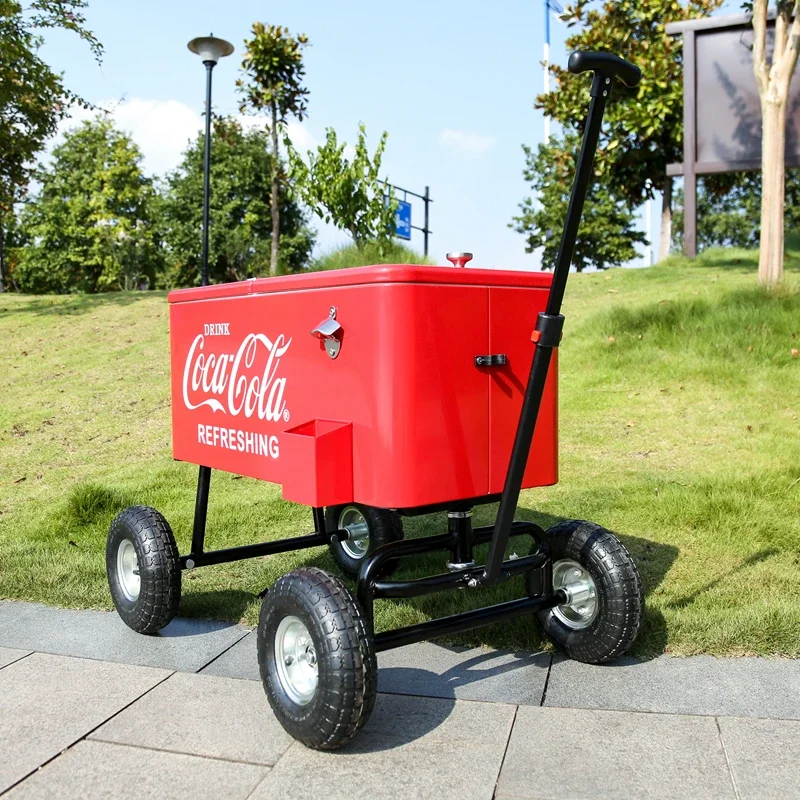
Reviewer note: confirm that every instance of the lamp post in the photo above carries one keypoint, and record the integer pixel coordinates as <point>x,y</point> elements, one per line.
<point>210,49</point>
<point>549,5</point>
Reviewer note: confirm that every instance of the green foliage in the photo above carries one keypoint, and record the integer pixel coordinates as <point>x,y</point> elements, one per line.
<point>241,219</point>
<point>274,72</point>
<point>350,194</point>
<point>89,227</point>
<point>273,83</point>
<point>643,129</point>
<point>607,236</point>
<point>33,98</point>
<point>729,209</point>
<point>370,253</point>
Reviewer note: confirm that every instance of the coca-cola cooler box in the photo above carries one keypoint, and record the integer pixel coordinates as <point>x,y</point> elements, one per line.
<point>394,386</point>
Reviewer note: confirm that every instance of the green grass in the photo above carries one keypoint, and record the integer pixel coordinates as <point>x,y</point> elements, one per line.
<point>351,256</point>
<point>679,430</point>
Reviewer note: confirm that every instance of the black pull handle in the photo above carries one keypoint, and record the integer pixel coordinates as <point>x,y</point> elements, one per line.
<point>606,64</point>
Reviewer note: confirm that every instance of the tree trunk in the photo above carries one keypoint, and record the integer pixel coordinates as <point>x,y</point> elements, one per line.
<point>773,150</point>
<point>275,206</point>
<point>666,221</point>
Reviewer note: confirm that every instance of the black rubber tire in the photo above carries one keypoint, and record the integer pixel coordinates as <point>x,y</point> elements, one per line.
<point>348,668</point>
<point>619,593</point>
<point>384,526</point>
<point>159,569</point>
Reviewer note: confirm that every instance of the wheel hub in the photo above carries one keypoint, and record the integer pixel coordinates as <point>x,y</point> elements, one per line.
<point>581,608</point>
<point>357,542</point>
<point>296,658</point>
<point>128,575</point>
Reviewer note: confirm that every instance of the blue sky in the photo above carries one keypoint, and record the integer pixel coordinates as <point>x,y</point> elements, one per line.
<point>452,82</point>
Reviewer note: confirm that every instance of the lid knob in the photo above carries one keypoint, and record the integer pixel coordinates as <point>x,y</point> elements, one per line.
<point>459,259</point>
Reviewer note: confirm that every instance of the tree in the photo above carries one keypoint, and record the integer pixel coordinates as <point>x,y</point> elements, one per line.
<point>772,79</point>
<point>643,130</point>
<point>89,225</point>
<point>728,208</point>
<point>242,222</point>
<point>607,234</point>
<point>33,98</point>
<point>347,193</point>
<point>273,66</point>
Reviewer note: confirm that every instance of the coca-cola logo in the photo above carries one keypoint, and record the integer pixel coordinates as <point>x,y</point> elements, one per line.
<point>242,383</point>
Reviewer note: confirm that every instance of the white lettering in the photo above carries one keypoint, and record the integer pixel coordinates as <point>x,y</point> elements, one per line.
<point>236,384</point>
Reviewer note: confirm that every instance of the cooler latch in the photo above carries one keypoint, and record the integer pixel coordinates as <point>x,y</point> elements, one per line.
<point>497,360</point>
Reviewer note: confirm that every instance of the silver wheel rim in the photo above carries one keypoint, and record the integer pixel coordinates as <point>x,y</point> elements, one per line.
<point>354,522</point>
<point>128,576</point>
<point>296,658</point>
<point>582,608</point>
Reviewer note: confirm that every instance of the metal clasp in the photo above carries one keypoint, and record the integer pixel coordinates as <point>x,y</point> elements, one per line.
<point>329,331</point>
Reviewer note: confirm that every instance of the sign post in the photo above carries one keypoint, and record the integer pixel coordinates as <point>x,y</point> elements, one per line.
<point>402,217</point>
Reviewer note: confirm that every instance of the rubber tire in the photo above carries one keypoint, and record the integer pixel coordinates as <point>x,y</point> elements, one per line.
<point>159,569</point>
<point>619,592</point>
<point>348,667</point>
<point>384,526</point>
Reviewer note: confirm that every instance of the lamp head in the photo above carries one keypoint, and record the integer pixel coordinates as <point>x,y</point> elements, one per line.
<point>210,48</point>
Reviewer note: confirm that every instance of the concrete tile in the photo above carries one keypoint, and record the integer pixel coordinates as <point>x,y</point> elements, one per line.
<point>48,702</point>
<point>757,687</point>
<point>764,757</point>
<point>241,661</point>
<point>412,747</point>
<point>184,644</point>
<point>432,670</point>
<point>557,753</point>
<point>96,771</point>
<point>205,716</point>
<point>8,655</point>
<point>429,670</point>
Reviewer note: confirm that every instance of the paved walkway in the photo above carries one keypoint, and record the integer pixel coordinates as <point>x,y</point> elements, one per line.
<point>88,709</point>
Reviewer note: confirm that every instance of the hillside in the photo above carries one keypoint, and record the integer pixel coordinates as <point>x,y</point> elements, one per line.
<point>680,398</point>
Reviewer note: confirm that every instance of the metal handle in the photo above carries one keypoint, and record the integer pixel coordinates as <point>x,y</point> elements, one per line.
<point>459,259</point>
<point>329,331</point>
<point>605,64</point>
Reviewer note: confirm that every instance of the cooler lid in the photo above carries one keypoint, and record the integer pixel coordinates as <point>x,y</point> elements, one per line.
<point>357,276</point>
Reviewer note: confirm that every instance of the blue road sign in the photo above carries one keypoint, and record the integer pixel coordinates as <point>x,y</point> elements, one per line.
<point>402,220</point>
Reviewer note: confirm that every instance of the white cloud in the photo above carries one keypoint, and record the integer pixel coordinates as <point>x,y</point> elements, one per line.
<point>469,144</point>
<point>161,128</point>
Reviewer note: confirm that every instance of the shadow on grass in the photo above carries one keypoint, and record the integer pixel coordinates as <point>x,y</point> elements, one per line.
<point>227,604</point>
<point>755,558</point>
<point>77,304</point>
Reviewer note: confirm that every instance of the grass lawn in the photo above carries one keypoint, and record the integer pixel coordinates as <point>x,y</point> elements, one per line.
<point>680,399</point>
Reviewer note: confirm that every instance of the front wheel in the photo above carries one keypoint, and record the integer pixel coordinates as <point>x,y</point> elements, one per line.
<point>316,658</point>
<point>367,528</point>
<point>603,614</point>
<point>143,569</point>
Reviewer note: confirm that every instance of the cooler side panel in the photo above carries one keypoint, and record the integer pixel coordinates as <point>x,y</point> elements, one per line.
<point>434,395</point>
<point>512,318</point>
<point>269,375</point>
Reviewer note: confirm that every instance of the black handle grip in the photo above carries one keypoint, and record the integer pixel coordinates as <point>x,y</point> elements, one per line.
<point>605,64</point>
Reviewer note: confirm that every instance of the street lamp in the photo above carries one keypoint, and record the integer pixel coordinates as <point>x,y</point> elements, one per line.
<point>210,49</point>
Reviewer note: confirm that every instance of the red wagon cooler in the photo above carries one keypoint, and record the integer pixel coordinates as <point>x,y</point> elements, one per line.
<point>394,386</point>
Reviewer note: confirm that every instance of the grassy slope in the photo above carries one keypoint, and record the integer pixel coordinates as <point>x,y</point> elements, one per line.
<point>679,426</point>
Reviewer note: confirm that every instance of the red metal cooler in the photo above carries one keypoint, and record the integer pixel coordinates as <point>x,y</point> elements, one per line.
<point>393,386</point>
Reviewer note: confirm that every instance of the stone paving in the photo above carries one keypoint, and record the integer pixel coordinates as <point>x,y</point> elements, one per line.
<point>88,709</point>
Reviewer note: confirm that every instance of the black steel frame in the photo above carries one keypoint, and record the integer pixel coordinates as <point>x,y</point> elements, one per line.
<point>461,538</point>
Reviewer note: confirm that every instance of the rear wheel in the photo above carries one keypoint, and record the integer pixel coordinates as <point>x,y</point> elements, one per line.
<point>603,614</point>
<point>143,569</point>
<point>367,528</point>
<point>316,659</point>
